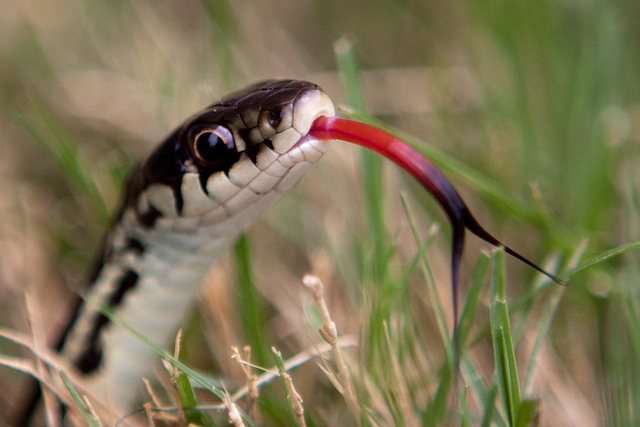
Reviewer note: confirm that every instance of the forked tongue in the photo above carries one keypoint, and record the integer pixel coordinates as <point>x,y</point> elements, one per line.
<point>411,160</point>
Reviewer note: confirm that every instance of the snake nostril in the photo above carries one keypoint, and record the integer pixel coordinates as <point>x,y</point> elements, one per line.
<point>275,117</point>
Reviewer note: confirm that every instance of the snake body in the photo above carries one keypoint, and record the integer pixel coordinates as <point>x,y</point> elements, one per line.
<point>184,206</point>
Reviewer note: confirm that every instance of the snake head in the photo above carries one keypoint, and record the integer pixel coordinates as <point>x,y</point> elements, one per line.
<point>225,165</point>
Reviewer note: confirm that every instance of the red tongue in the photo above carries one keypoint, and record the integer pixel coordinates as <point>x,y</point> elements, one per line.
<point>399,152</point>
<point>411,160</point>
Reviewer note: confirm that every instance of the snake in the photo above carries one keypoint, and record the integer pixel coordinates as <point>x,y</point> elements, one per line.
<point>188,202</point>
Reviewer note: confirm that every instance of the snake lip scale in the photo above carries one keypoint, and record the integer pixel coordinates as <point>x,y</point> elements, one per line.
<point>188,201</point>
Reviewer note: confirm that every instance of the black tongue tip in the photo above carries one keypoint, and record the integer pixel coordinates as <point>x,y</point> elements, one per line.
<point>473,226</point>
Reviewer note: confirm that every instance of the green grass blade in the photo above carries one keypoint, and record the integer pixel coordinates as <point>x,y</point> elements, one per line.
<point>349,69</point>
<point>428,276</point>
<point>504,353</point>
<point>282,369</point>
<point>188,399</point>
<point>547,317</point>
<point>471,301</point>
<point>379,285</point>
<point>224,35</point>
<point>437,409</point>
<point>543,328</point>
<point>528,413</point>
<point>526,300</point>
<point>482,392</point>
<point>63,149</point>
<point>250,302</point>
<point>82,406</point>
<point>204,382</point>
<point>371,164</point>
<point>489,407</point>
<point>602,257</point>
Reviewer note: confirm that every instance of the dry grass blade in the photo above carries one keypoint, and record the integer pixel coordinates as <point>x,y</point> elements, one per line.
<point>296,410</point>
<point>155,401</point>
<point>399,387</point>
<point>52,409</point>
<point>234,415</point>
<point>175,372</point>
<point>296,399</point>
<point>149,413</point>
<point>252,387</point>
<point>329,333</point>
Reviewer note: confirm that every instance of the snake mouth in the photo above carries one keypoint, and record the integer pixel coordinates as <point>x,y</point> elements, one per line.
<point>309,140</point>
<point>307,107</point>
<point>297,144</point>
<point>305,152</point>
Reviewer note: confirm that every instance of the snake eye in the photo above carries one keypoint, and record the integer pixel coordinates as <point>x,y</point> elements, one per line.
<point>212,146</point>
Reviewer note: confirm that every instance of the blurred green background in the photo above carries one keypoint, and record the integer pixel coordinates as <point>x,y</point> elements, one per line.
<point>539,98</point>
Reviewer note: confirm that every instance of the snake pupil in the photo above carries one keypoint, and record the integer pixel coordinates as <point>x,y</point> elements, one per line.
<point>212,146</point>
